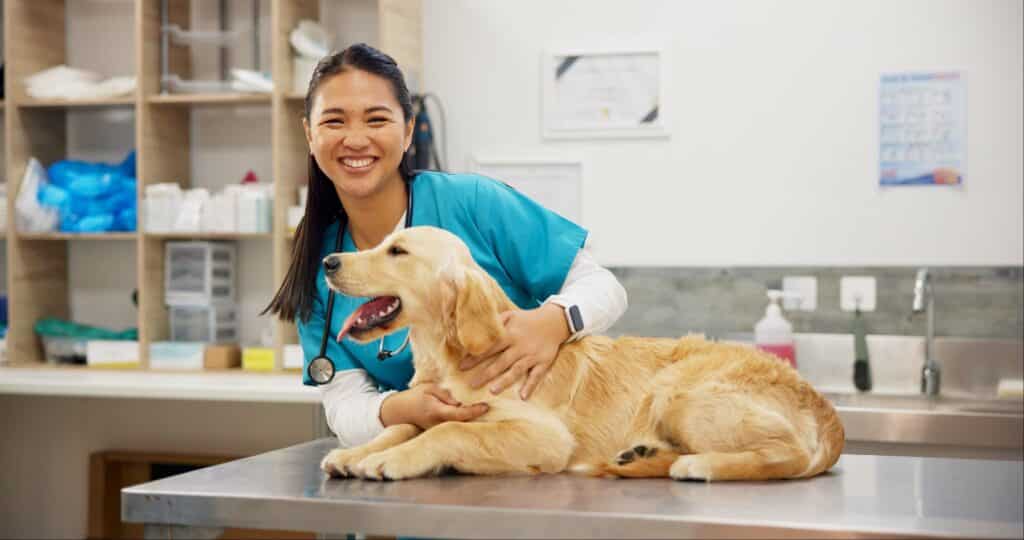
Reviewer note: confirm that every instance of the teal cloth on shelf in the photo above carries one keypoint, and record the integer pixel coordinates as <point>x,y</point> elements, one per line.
<point>52,327</point>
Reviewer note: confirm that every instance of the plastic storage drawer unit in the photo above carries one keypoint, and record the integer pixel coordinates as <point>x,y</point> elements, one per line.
<point>199,273</point>
<point>208,324</point>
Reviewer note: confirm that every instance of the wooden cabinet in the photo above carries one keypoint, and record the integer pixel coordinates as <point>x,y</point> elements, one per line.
<point>38,266</point>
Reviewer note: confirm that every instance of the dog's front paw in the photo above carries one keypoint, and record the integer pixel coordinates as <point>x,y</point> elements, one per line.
<point>395,464</point>
<point>339,463</point>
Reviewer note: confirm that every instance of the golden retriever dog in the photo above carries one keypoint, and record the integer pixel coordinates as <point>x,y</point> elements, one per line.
<point>629,407</point>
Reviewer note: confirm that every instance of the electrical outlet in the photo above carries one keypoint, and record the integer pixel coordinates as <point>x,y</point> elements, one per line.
<point>800,293</point>
<point>857,290</point>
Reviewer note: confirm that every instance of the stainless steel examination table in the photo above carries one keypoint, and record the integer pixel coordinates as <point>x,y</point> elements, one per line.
<point>862,496</point>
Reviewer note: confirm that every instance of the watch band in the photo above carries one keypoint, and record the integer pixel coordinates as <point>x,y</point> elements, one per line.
<point>573,316</point>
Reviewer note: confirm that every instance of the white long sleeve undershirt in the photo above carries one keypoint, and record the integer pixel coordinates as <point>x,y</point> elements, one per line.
<point>352,401</point>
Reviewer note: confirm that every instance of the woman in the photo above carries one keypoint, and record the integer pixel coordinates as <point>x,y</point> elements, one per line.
<point>359,123</point>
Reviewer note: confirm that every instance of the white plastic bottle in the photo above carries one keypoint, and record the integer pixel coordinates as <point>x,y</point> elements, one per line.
<point>773,333</point>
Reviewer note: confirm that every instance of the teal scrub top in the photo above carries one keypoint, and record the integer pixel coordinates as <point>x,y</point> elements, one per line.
<point>525,247</point>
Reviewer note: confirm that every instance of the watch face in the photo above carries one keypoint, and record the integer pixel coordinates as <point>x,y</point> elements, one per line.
<point>321,370</point>
<point>576,318</point>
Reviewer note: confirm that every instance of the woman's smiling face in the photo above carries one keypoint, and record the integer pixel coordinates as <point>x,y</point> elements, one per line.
<point>357,132</point>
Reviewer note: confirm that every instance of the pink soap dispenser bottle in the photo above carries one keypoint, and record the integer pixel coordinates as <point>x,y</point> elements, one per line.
<point>773,333</point>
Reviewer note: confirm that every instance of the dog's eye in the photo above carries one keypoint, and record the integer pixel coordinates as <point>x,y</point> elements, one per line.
<point>396,250</point>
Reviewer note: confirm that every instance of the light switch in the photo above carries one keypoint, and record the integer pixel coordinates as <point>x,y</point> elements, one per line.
<point>800,293</point>
<point>854,290</point>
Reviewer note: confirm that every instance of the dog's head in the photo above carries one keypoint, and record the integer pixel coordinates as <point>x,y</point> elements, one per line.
<point>421,277</point>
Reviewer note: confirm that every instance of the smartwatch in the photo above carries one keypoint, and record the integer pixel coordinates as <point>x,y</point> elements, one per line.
<point>572,314</point>
<point>574,319</point>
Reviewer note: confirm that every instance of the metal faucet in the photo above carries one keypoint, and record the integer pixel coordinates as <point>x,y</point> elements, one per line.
<point>924,300</point>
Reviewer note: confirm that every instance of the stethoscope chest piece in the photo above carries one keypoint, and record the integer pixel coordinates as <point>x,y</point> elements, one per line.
<point>320,370</point>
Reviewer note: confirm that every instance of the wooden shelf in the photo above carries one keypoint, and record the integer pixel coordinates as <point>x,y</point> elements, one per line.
<point>209,236</point>
<point>79,236</point>
<point>39,266</point>
<point>233,98</point>
<point>30,103</point>
<point>227,385</point>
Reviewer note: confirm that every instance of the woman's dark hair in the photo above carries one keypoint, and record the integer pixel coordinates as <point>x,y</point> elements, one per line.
<point>295,297</point>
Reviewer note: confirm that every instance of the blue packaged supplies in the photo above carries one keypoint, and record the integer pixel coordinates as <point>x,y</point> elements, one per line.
<point>92,197</point>
<point>95,223</point>
<point>126,220</point>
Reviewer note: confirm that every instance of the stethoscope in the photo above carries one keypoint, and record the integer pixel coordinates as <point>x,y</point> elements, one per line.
<point>321,368</point>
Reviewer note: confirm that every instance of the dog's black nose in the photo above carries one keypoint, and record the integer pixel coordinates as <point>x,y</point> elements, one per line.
<point>331,264</point>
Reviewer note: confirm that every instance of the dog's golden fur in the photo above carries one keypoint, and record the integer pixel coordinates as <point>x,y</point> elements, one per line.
<point>631,407</point>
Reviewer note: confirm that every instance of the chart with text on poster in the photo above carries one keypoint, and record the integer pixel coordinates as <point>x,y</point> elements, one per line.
<point>922,129</point>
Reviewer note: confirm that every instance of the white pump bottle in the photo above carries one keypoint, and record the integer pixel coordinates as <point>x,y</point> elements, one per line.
<point>773,333</point>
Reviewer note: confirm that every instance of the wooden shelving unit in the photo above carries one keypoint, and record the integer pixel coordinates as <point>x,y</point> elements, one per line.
<point>38,266</point>
<point>210,99</point>
<point>78,103</point>
<point>70,236</point>
<point>209,236</point>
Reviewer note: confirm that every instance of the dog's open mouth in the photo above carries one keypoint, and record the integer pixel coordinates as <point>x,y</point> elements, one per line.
<point>376,313</point>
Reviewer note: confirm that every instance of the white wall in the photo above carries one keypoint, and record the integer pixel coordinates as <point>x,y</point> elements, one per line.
<point>772,108</point>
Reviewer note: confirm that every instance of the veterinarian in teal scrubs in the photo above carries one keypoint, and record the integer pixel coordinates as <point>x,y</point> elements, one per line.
<point>359,122</point>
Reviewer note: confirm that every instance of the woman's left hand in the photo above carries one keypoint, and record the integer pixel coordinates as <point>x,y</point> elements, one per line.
<point>532,339</point>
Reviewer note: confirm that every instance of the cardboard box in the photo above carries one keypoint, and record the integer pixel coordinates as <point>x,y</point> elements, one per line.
<point>222,357</point>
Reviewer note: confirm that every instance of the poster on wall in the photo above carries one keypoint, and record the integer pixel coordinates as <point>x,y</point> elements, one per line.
<point>605,93</point>
<point>922,129</point>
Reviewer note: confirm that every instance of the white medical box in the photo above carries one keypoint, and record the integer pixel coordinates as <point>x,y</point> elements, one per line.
<point>112,353</point>
<point>199,273</point>
<point>176,355</point>
<point>293,358</point>
<point>207,324</point>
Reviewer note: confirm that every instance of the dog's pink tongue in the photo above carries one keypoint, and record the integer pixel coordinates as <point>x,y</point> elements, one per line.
<point>348,325</point>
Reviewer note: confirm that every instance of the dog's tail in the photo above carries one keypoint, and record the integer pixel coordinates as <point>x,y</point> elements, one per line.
<point>654,465</point>
<point>831,440</point>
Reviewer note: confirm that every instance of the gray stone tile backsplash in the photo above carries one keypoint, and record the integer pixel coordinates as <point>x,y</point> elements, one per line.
<point>982,302</point>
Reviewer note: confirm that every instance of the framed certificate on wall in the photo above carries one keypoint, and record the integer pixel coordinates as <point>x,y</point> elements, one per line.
<point>603,93</point>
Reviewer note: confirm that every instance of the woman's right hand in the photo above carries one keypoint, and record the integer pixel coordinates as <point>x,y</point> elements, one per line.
<point>427,405</point>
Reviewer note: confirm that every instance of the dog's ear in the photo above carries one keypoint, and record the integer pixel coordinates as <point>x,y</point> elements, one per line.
<point>471,310</point>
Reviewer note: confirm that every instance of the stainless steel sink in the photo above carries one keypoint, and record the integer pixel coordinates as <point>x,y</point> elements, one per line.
<point>944,426</point>
<point>972,368</point>
<point>989,410</point>
<point>924,403</point>
<point>965,420</point>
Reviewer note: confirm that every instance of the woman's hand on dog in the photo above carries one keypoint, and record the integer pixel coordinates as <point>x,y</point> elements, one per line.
<point>427,405</point>
<point>532,339</point>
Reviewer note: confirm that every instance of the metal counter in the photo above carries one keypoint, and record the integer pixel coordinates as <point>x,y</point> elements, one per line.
<point>874,496</point>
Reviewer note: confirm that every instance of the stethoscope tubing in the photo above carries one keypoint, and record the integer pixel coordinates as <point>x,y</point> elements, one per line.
<point>382,353</point>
